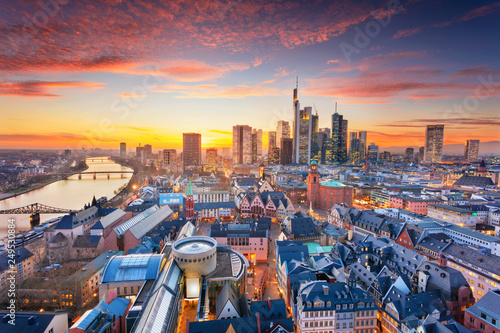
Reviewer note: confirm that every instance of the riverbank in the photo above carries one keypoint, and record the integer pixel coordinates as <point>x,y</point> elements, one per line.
<point>36,186</point>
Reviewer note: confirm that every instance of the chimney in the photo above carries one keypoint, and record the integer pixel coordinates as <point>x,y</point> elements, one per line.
<point>112,294</point>
<point>442,261</point>
<point>269,304</point>
<point>326,291</point>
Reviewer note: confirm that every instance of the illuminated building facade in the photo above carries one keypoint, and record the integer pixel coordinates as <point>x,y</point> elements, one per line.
<point>433,143</point>
<point>242,144</point>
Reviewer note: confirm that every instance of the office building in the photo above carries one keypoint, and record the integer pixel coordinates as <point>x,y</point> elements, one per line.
<point>409,154</point>
<point>433,143</point>
<point>169,157</point>
<point>302,130</point>
<point>421,153</point>
<point>315,147</point>
<point>282,131</point>
<point>242,144</point>
<point>274,155</point>
<point>212,159</point>
<point>139,151</point>
<point>271,140</point>
<point>327,151</point>
<point>148,151</point>
<point>362,145</point>
<point>286,151</point>
<point>123,149</point>
<point>372,152</point>
<point>191,149</point>
<point>256,145</point>
<point>471,150</point>
<point>385,156</point>
<point>339,137</point>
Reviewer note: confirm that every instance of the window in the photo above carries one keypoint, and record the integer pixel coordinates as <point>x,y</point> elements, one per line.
<point>482,326</point>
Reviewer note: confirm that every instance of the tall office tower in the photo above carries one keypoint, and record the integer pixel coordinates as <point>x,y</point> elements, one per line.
<point>139,151</point>
<point>354,148</point>
<point>409,154</point>
<point>372,152</point>
<point>327,151</point>
<point>282,131</point>
<point>362,146</point>
<point>169,157</point>
<point>471,150</point>
<point>226,151</point>
<point>256,145</point>
<point>421,154</point>
<point>271,141</point>
<point>212,158</point>
<point>286,151</point>
<point>274,155</point>
<point>123,149</point>
<point>191,149</point>
<point>321,139</point>
<point>327,131</point>
<point>302,130</point>
<point>242,144</point>
<point>339,137</point>
<point>315,147</point>
<point>434,143</point>
<point>148,151</point>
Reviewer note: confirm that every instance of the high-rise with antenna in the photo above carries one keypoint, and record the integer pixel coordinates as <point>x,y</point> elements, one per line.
<point>302,129</point>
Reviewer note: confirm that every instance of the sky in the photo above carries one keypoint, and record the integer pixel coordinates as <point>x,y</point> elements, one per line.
<point>90,74</point>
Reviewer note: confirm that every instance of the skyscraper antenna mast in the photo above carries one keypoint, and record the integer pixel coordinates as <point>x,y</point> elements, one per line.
<point>335,107</point>
<point>297,83</point>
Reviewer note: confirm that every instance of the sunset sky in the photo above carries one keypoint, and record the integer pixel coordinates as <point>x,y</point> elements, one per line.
<point>91,73</point>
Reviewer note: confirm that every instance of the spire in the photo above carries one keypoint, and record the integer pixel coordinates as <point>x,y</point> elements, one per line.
<point>335,107</point>
<point>190,188</point>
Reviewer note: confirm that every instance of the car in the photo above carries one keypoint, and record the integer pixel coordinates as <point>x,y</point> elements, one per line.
<point>52,267</point>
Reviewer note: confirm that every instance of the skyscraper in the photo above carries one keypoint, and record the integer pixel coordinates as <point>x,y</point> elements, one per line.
<point>148,151</point>
<point>191,149</point>
<point>256,145</point>
<point>315,147</point>
<point>409,154</point>
<point>434,143</point>
<point>362,146</point>
<point>354,148</point>
<point>274,155</point>
<point>286,151</point>
<point>327,151</point>
<point>242,144</point>
<point>302,130</point>
<point>212,159</point>
<point>373,152</point>
<point>139,151</point>
<point>339,137</point>
<point>123,149</point>
<point>471,150</point>
<point>271,141</point>
<point>282,131</point>
<point>421,154</point>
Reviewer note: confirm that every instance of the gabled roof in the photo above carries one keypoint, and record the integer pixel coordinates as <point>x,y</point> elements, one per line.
<point>21,255</point>
<point>477,181</point>
<point>226,295</point>
<point>111,218</point>
<point>86,241</point>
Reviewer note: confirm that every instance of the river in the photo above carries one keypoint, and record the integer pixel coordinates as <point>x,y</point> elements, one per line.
<point>72,193</point>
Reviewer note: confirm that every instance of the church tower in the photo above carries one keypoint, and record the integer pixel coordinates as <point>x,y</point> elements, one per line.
<point>313,195</point>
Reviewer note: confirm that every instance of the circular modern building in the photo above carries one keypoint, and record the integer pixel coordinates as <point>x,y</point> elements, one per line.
<point>196,256</point>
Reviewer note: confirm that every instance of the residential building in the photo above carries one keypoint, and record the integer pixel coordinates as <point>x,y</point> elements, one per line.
<point>484,316</point>
<point>462,217</point>
<point>24,268</point>
<point>211,211</point>
<point>433,143</point>
<point>31,321</point>
<point>335,307</point>
<point>295,190</point>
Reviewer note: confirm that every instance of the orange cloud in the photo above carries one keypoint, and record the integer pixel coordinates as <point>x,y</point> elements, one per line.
<point>41,88</point>
<point>215,91</point>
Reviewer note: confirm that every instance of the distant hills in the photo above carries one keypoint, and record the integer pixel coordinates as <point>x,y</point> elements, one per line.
<point>490,147</point>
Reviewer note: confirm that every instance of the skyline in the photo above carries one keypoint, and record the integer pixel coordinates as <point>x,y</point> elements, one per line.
<point>84,75</point>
